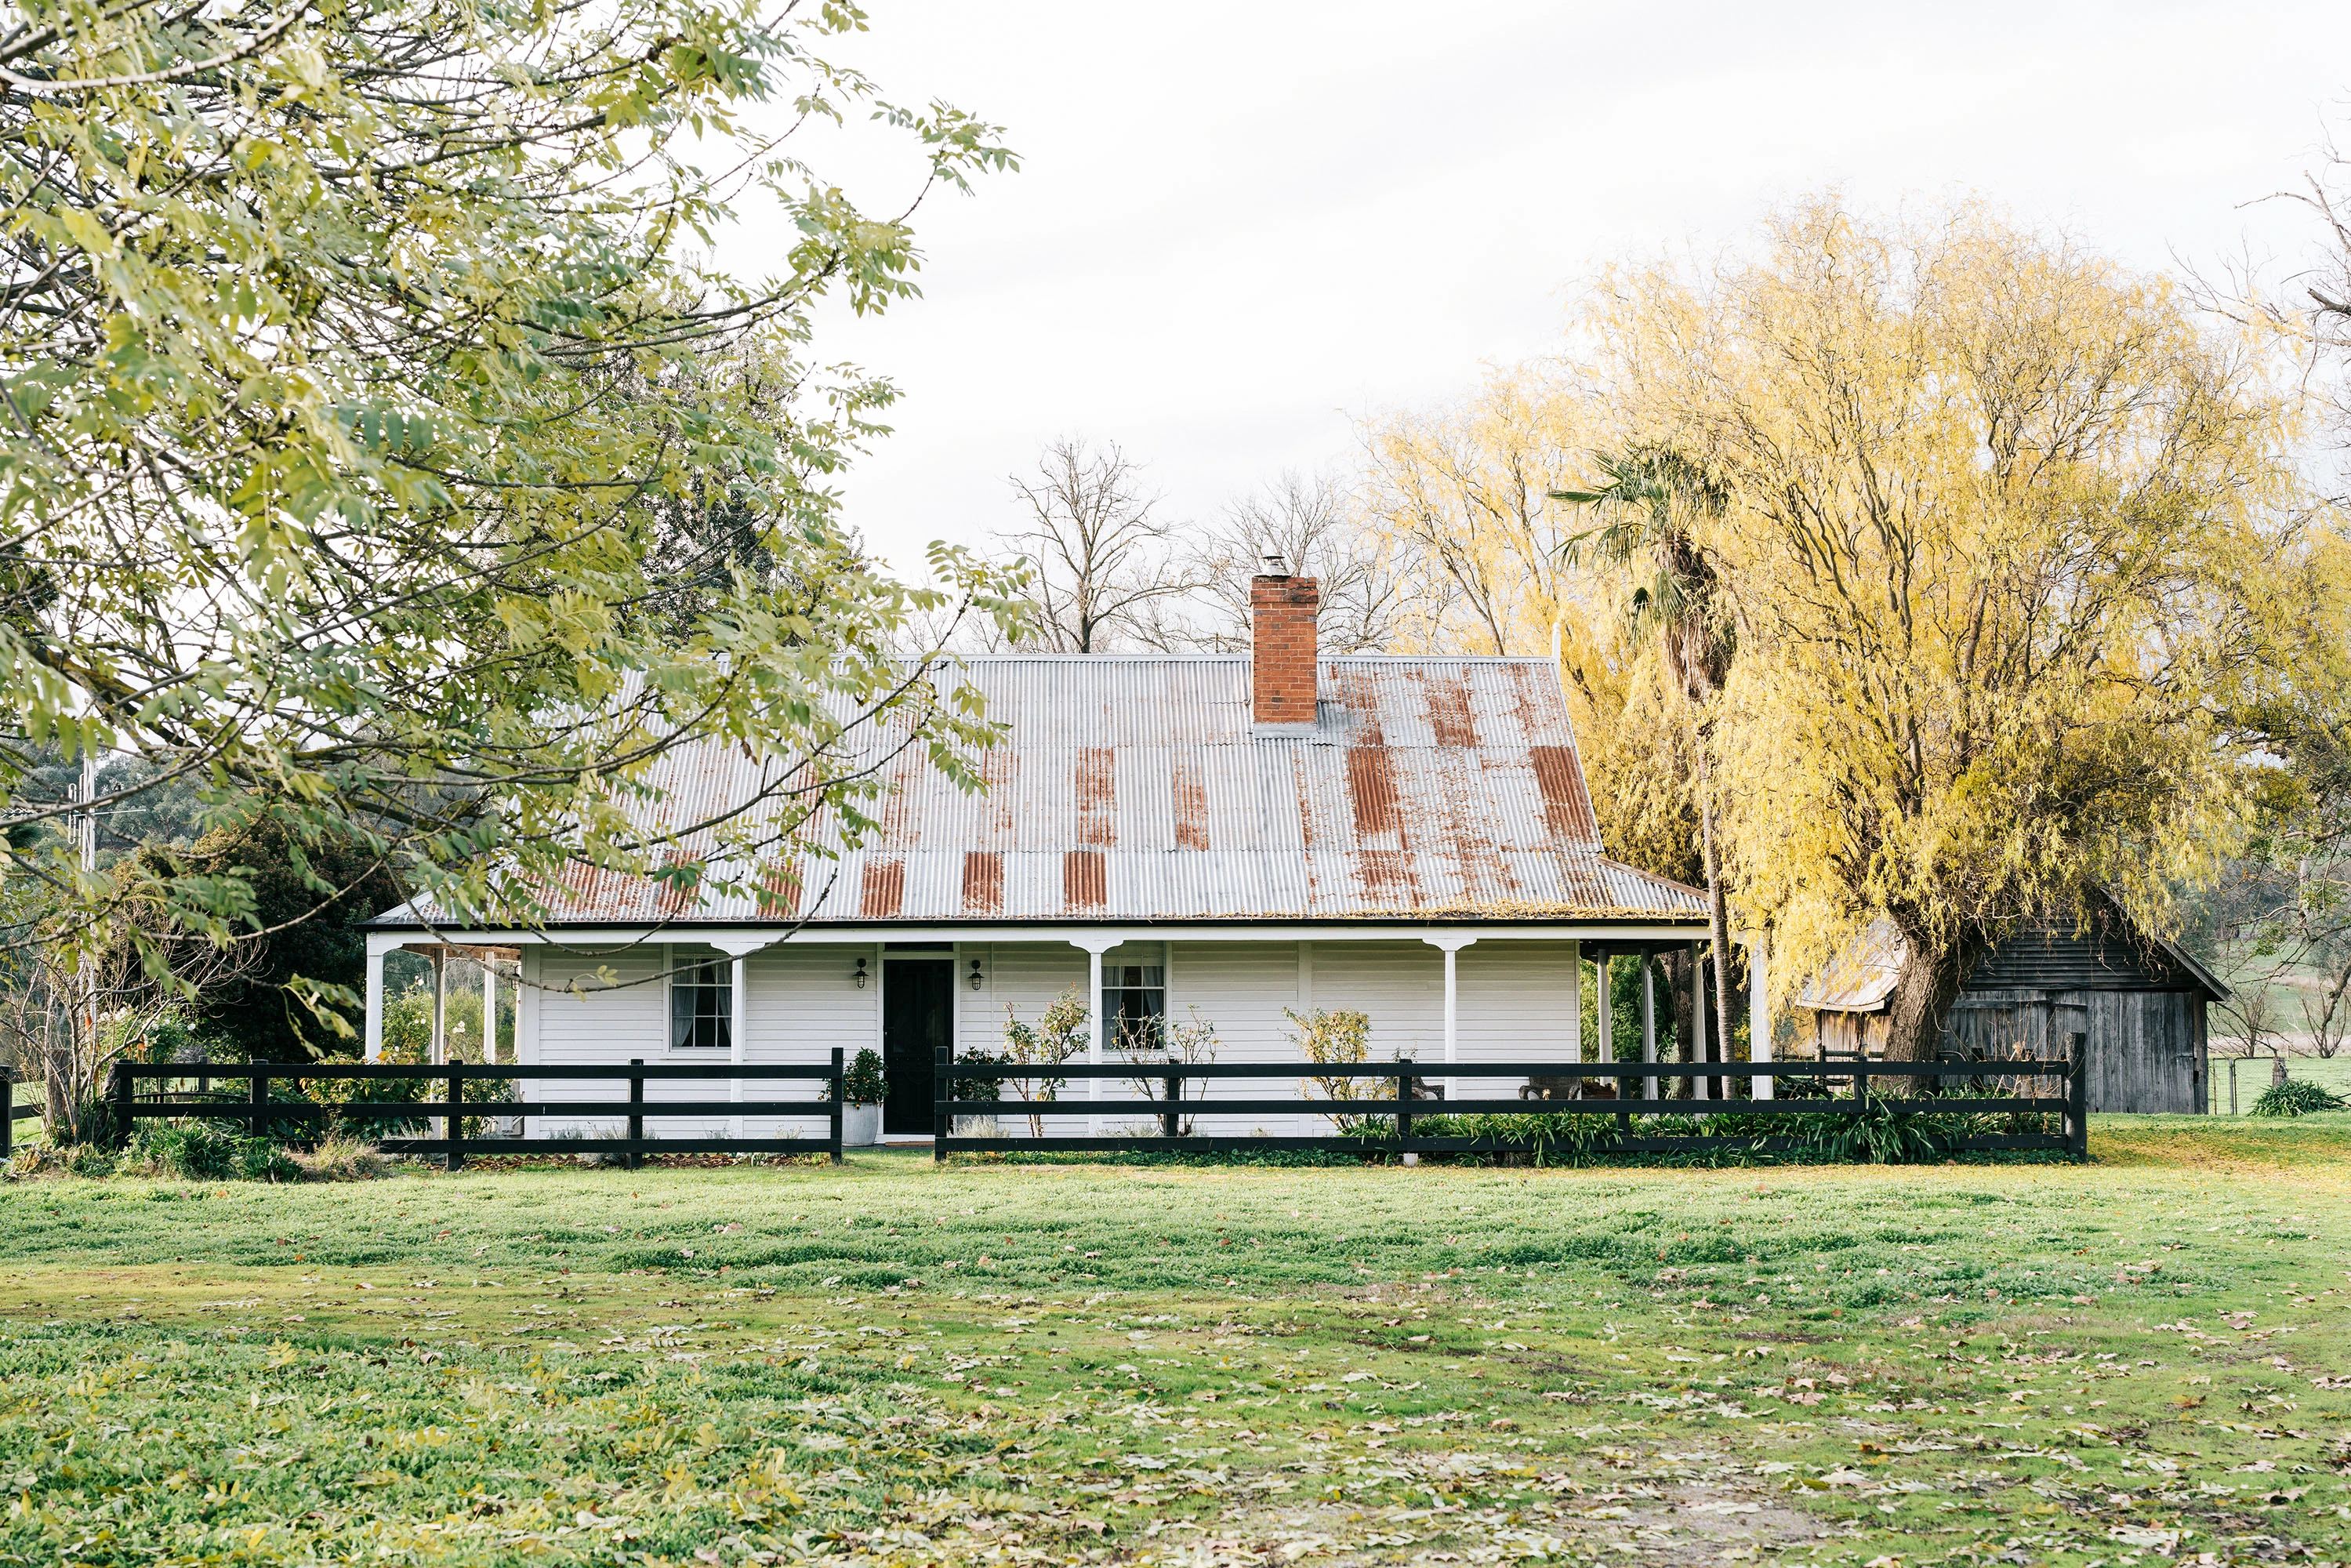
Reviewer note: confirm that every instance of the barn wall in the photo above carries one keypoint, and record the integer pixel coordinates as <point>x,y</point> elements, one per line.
<point>2145,1047</point>
<point>2143,1051</point>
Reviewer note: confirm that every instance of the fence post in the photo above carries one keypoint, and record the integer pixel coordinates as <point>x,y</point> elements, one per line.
<point>2077,1098</point>
<point>1861,1084</point>
<point>1404,1098</point>
<point>452,1127</point>
<point>840,1088</point>
<point>7,1111</point>
<point>942,1091</point>
<point>256,1103</point>
<point>636,1118</point>
<point>119,1090</point>
<point>1168,1121</point>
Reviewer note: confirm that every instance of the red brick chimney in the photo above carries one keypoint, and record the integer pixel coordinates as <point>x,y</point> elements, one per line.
<point>1282,655</point>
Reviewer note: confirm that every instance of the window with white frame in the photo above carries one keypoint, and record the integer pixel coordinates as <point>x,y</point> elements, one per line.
<point>701,1005</point>
<point>1134,1006</point>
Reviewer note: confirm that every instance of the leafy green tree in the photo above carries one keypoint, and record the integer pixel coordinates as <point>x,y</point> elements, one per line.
<point>305,906</point>
<point>365,376</point>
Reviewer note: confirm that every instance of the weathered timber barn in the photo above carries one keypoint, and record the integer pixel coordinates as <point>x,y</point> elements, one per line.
<point>2140,1001</point>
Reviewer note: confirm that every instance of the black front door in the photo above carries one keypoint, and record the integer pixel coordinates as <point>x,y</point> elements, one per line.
<point>916,997</point>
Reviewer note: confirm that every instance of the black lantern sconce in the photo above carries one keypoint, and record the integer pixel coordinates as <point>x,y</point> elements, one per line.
<point>861,971</point>
<point>976,980</point>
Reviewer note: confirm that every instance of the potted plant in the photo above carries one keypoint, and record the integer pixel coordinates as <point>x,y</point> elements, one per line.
<point>862,1087</point>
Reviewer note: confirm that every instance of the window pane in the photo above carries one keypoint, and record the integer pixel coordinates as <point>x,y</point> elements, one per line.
<point>701,1006</point>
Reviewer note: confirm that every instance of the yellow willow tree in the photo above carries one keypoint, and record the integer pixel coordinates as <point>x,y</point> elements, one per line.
<point>1462,501</point>
<point>1999,518</point>
<point>1461,498</point>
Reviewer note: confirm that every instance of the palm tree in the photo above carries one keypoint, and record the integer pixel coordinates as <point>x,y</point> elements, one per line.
<point>1649,498</point>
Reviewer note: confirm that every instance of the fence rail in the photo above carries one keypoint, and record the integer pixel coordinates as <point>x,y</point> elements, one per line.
<point>1403,1103</point>
<point>259,1111</point>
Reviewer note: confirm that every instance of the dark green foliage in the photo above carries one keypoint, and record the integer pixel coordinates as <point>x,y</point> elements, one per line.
<point>2295,1097</point>
<point>302,905</point>
<point>1887,1132</point>
<point>862,1083</point>
<point>202,1151</point>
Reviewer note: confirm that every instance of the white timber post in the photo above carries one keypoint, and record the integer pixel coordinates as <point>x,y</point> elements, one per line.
<point>377,947</point>
<point>1095,947</point>
<point>440,1051</point>
<point>1450,947</point>
<point>490,1009</point>
<point>1648,1020</point>
<point>738,1019</point>
<point>1602,1012</point>
<point>1759,1006</point>
<point>1699,955</point>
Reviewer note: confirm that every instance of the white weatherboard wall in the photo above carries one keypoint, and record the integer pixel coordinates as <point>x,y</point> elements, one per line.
<point>1517,1000</point>
<point>583,1016</point>
<point>804,1001</point>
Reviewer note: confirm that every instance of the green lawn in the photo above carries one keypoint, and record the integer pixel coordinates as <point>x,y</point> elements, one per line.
<point>1039,1364</point>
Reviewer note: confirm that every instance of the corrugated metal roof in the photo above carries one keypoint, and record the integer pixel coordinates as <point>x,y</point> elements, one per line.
<point>1133,788</point>
<point>1860,978</point>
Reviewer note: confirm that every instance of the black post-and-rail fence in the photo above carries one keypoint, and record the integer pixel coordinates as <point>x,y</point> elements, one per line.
<point>1385,1117</point>
<point>1399,1100</point>
<point>260,1112</point>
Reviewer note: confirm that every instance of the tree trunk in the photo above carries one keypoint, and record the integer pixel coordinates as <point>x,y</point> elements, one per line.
<point>1921,1002</point>
<point>1718,919</point>
<point>57,1073</point>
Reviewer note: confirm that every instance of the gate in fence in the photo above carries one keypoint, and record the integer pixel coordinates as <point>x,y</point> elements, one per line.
<point>1398,1100</point>
<point>260,1112</point>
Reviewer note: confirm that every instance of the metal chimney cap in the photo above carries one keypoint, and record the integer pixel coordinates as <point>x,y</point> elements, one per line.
<point>1275,566</point>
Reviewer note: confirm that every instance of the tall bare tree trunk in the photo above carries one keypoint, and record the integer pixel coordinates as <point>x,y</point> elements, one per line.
<point>1718,914</point>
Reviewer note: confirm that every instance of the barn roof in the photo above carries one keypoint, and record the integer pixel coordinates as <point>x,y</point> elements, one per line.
<point>2109,952</point>
<point>1136,788</point>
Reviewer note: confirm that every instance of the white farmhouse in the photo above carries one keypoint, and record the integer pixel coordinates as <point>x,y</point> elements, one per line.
<point>1231,837</point>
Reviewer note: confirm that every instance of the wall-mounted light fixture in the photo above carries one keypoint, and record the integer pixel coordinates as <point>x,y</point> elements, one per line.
<point>976,981</point>
<point>861,971</point>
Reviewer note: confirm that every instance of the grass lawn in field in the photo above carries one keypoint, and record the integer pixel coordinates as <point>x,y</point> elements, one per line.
<point>2331,1073</point>
<point>2146,1357</point>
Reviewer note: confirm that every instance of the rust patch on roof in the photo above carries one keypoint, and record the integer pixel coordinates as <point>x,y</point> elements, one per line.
<point>1095,781</point>
<point>902,823</point>
<point>1085,880</point>
<point>983,882</point>
<point>681,886</point>
<point>1371,785</point>
<point>779,892</point>
<point>1191,801</point>
<point>999,774</point>
<point>885,889</point>
<point>1388,873</point>
<point>1447,695</point>
<point>1567,810</point>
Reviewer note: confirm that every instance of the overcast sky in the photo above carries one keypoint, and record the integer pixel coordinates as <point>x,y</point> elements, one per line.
<point>1239,227</point>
